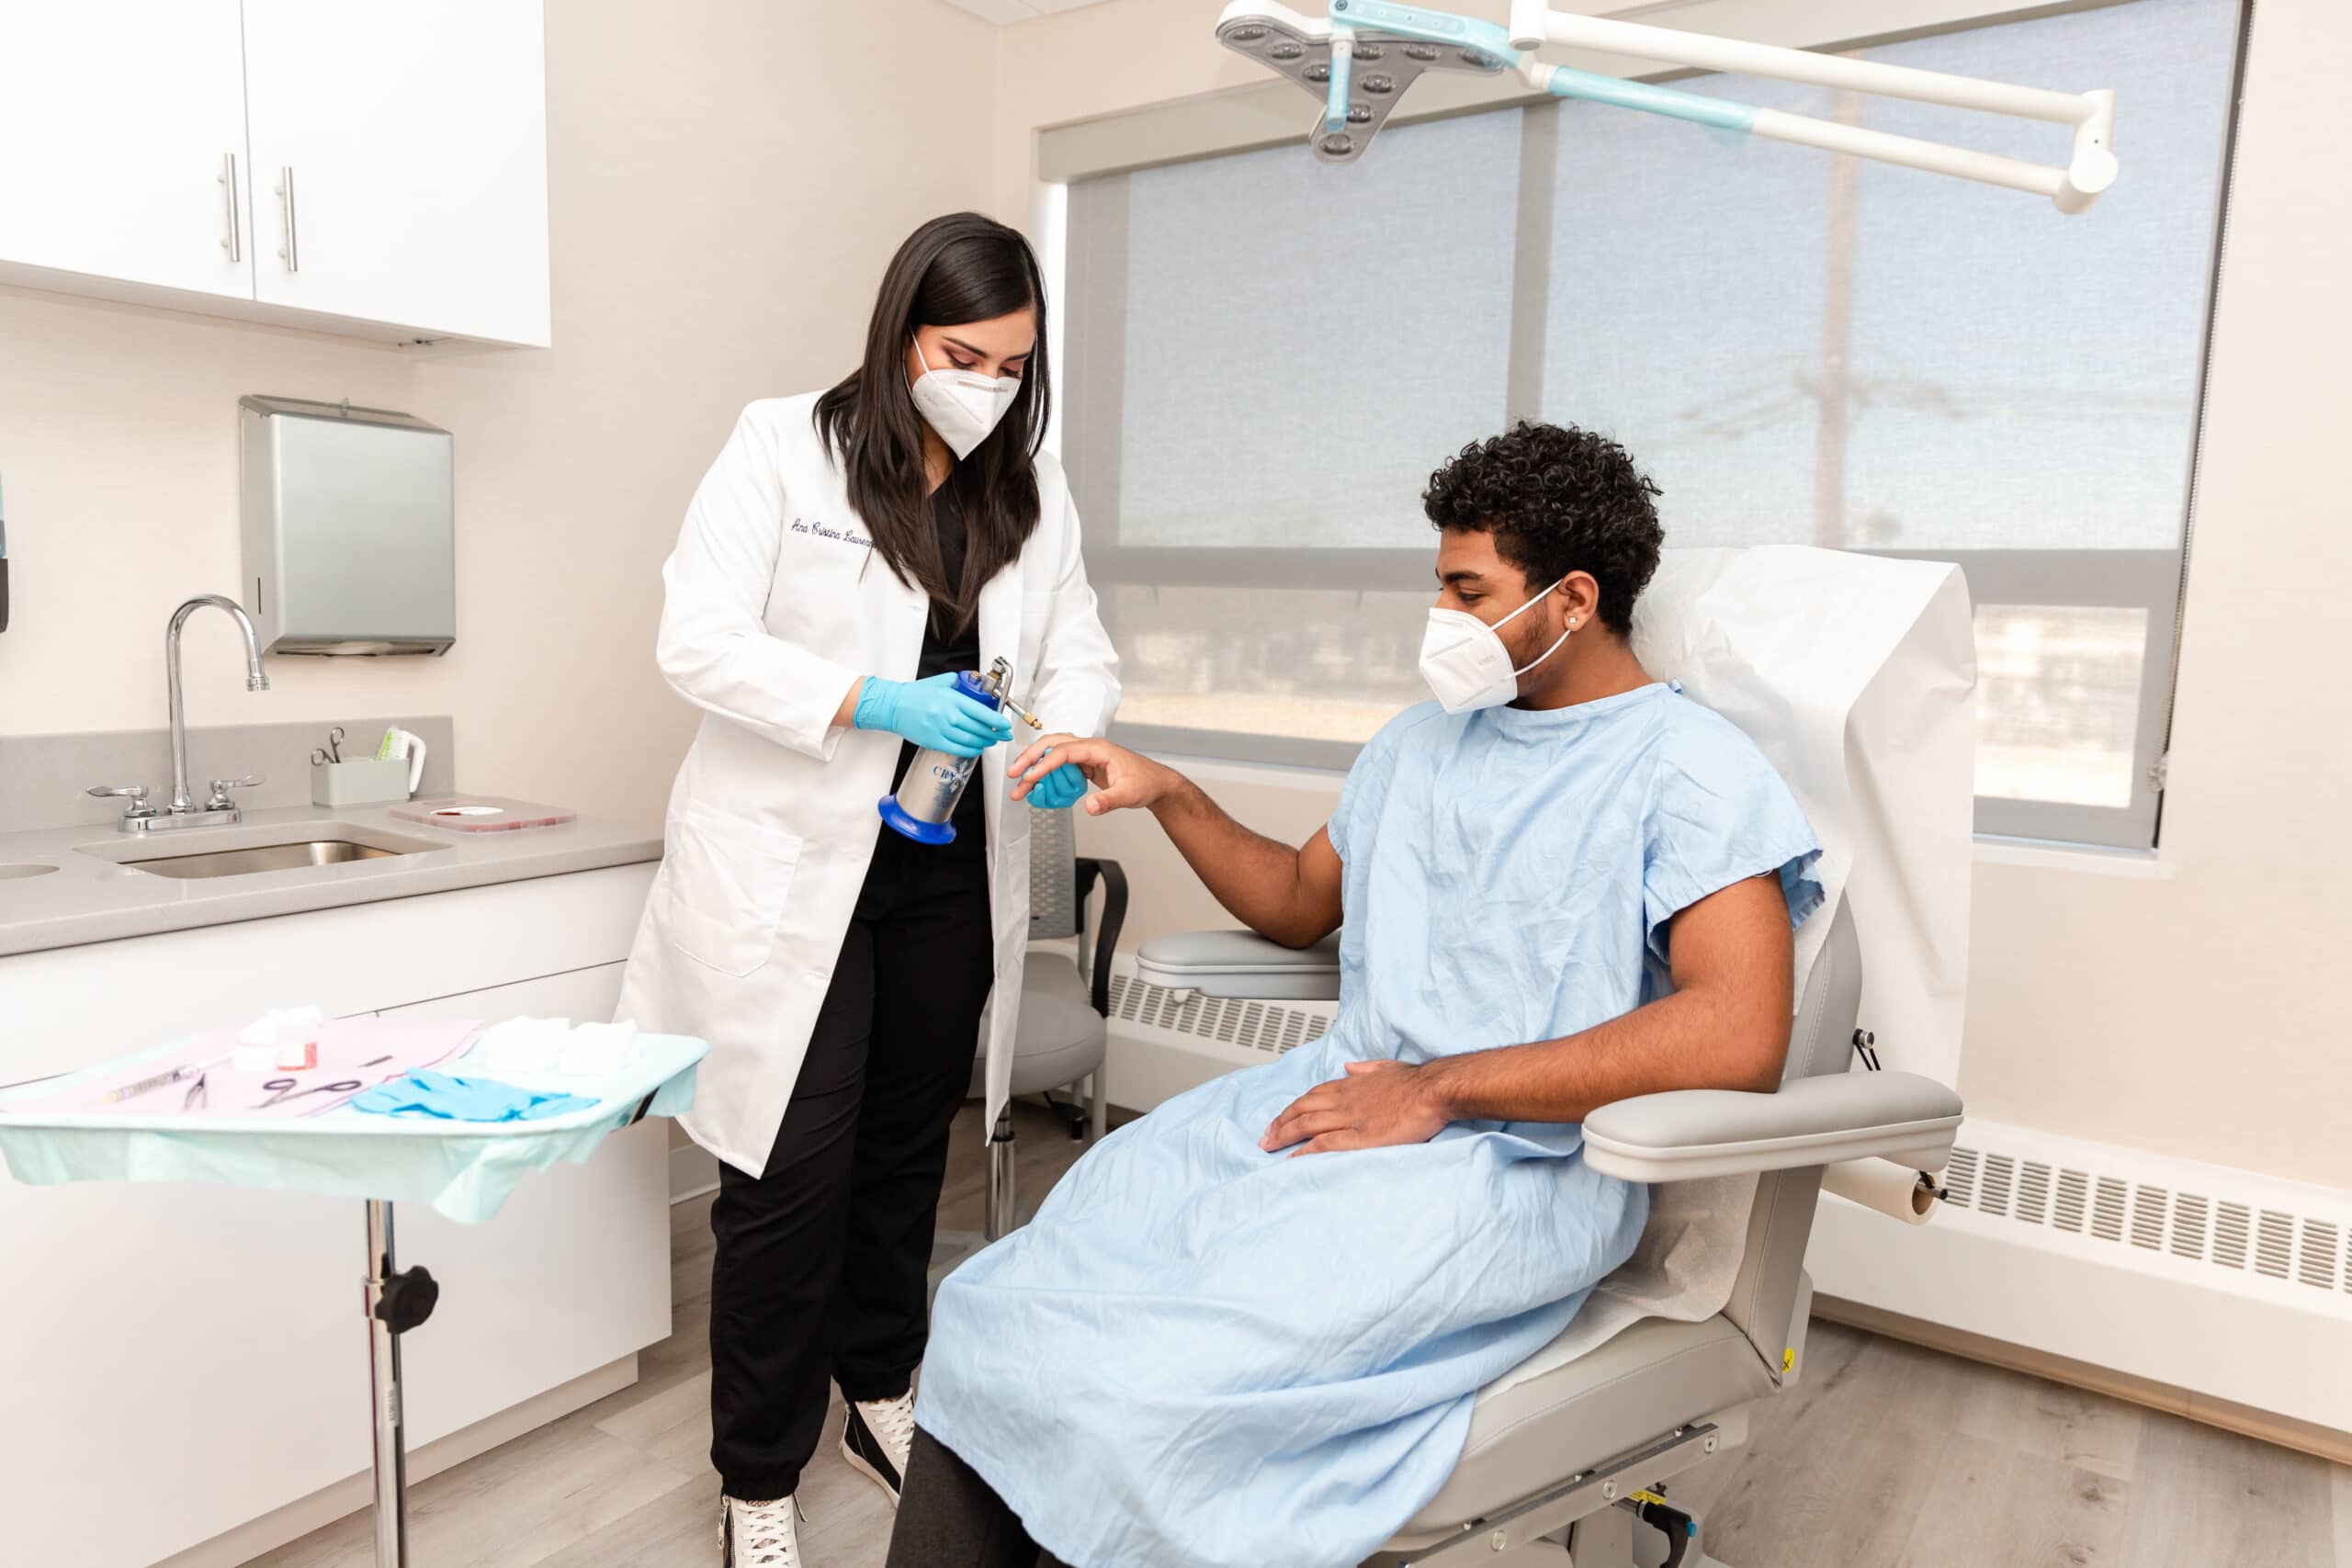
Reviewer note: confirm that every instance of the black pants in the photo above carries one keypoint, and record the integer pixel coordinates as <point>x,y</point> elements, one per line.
<point>949,1518</point>
<point>821,1261</point>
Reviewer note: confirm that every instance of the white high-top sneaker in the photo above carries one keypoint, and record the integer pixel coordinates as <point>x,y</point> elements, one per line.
<point>758,1535</point>
<point>875,1437</point>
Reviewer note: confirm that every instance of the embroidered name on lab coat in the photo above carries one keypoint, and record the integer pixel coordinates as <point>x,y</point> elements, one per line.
<point>826,531</point>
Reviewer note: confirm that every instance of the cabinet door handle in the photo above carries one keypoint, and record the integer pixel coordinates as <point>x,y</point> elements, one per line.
<point>286,193</point>
<point>235,242</point>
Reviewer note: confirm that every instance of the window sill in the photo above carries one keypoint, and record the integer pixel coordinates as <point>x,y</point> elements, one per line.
<point>2037,855</point>
<point>2133,865</point>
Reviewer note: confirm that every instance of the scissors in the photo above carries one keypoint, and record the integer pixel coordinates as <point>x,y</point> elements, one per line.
<point>331,751</point>
<point>286,1089</point>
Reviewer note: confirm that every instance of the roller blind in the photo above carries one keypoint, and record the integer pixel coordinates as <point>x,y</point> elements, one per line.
<point>1266,356</point>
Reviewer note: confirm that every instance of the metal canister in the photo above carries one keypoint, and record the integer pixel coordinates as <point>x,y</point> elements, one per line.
<point>935,781</point>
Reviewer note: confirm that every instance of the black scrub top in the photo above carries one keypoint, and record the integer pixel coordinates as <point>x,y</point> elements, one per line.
<point>944,654</point>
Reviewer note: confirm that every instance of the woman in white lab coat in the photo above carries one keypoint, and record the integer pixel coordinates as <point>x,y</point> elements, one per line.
<point>844,556</point>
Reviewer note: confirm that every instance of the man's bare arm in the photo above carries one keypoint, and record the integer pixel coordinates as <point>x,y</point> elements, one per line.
<point>1727,1026</point>
<point>1289,895</point>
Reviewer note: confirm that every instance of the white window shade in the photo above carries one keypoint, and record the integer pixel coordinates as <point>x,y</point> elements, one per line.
<point>1265,402</point>
<point>1267,357</point>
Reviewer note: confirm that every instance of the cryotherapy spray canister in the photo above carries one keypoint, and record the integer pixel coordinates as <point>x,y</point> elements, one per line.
<point>934,780</point>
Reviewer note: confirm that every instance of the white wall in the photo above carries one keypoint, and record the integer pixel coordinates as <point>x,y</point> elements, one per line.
<point>727,179</point>
<point>2193,1016</point>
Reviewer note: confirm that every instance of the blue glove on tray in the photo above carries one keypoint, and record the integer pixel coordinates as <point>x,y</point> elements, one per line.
<point>1060,788</point>
<point>447,1098</point>
<point>930,713</point>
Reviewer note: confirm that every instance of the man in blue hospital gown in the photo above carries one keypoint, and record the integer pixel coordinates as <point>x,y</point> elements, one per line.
<point>1248,1330</point>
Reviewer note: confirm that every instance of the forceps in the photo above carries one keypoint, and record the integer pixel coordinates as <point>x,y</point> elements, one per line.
<point>286,1089</point>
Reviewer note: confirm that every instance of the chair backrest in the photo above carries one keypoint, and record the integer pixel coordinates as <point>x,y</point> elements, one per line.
<point>1853,674</point>
<point>1764,1296</point>
<point>1053,875</point>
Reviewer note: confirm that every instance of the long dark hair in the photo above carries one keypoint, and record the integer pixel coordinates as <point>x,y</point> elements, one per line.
<point>953,270</point>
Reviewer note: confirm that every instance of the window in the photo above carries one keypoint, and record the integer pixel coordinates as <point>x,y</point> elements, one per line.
<point>1266,358</point>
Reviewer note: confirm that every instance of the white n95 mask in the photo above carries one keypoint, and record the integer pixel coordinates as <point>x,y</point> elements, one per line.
<point>1466,663</point>
<point>964,406</point>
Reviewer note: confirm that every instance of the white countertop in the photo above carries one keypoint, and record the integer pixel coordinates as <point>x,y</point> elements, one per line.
<point>93,896</point>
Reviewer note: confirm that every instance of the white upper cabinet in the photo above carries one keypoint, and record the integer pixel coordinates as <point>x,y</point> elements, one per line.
<point>376,167</point>
<point>120,124</point>
<point>400,162</point>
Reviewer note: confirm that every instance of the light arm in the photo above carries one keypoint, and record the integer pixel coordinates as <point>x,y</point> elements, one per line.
<point>1288,43</point>
<point>1343,63</point>
<point>2090,169</point>
<point>2073,189</point>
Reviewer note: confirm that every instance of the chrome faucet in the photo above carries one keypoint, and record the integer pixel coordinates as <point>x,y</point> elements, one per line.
<point>182,811</point>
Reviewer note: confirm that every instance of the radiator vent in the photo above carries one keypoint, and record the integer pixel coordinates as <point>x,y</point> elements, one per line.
<point>1993,1197</point>
<point>2106,1212</point>
<point>1269,1027</point>
<point>2189,1226</point>
<point>2230,1235</point>
<point>2202,1227</point>
<point>2319,1264</point>
<point>2274,1244</point>
<point>2033,1192</point>
<point>1960,1178</point>
<point>2074,1189</point>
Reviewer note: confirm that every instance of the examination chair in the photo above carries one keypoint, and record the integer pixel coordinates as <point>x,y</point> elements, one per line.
<point>1566,1463</point>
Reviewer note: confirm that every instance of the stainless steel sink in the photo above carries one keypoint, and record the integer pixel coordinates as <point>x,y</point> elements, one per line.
<point>263,857</point>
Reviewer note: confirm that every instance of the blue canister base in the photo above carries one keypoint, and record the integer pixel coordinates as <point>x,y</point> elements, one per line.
<point>900,822</point>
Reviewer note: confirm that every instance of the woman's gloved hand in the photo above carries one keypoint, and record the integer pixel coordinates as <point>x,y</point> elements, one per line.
<point>930,713</point>
<point>1060,789</point>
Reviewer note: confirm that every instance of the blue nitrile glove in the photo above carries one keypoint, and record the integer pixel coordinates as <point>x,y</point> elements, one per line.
<point>1060,788</point>
<point>931,713</point>
<point>449,1098</point>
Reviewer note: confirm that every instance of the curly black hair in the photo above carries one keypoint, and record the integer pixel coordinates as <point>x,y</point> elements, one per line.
<point>1558,499</point>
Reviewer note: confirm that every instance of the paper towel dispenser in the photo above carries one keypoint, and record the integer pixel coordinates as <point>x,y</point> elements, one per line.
<point>350,539</point>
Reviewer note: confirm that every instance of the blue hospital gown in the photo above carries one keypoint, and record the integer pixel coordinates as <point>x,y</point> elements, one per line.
<point>1202,1354</point>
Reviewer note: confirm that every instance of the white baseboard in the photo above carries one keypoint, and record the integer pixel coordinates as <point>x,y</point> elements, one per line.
<point>692,1172</point>
<point>2222,1284</point>
<point>322,1507</point>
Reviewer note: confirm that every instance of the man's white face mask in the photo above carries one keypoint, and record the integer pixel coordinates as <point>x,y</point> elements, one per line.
<point>1466,662</point>
<point>964,406</point>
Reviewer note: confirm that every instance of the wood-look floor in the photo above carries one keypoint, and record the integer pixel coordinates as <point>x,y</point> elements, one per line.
<point>1886,1456</point>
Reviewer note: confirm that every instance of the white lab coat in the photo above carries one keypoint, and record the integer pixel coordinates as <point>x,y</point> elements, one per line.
<point>775,604</point>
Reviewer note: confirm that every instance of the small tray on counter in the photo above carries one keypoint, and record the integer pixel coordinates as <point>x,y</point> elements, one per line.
<point>481,814</point>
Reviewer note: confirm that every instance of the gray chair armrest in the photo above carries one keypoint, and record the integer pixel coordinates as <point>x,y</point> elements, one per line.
<point>1241,964</point>
<point>1693,1133</point>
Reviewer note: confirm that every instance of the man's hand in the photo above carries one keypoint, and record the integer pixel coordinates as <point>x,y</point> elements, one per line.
<point>1378,1104</point>
<point>1121,779</point>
